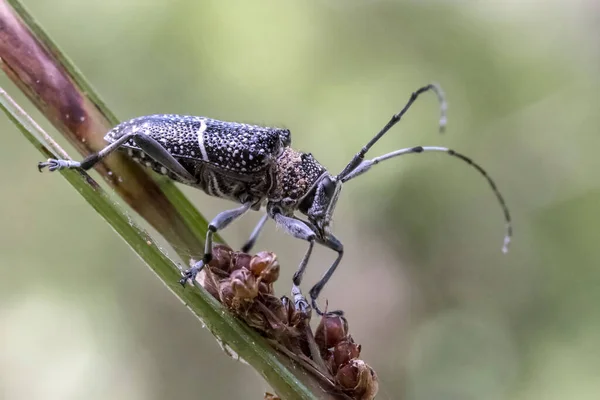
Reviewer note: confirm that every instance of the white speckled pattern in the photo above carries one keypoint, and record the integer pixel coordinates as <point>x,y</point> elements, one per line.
<point>229,145</point>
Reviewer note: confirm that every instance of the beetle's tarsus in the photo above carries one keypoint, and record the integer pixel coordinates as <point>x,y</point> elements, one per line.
<point>51,163</point>
<point>55,164</point>
<point>191,273</point>
<point>183,281</point>
<point>300,303</point>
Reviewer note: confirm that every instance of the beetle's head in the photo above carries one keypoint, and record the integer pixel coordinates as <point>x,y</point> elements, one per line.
<point>319,203</point>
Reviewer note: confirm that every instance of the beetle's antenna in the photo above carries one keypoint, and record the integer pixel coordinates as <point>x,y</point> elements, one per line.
<point>395,119</point>
<point>365,165</point>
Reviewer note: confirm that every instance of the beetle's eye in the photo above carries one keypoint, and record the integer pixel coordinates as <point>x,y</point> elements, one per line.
<point>328,187</point>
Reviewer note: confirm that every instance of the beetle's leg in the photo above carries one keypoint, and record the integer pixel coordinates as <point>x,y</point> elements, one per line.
<point>148,145</point>
<point>221,221</point>
<point>334,244</point>
<point>255,233</point>
<point>300,230</point>
<point>158,153</point>
<point>300,302</point>
<point>86,163</point>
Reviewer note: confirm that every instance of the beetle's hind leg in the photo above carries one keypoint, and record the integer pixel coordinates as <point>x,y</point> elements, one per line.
<point>146,143</point>
<point>86,163</point>
<point>221,221</point>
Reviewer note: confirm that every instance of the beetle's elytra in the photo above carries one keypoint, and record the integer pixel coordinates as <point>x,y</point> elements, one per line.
<point>255,166</point>
<point>225,159</point>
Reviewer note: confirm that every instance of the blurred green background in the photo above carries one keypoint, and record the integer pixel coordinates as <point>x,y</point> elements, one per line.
<point>440,312</point>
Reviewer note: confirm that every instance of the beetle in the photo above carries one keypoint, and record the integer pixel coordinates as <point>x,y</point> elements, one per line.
<point>256,167</point>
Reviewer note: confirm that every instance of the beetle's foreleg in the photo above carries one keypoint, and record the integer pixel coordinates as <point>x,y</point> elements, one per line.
<point>255,233</point>
<point>299,230</point>
<point>221,221</point>
<point>334,244</point>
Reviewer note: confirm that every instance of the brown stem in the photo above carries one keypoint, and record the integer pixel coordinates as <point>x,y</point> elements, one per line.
<point>59,92</point>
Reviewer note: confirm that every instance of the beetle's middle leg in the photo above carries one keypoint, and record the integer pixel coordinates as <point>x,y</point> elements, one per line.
<point>221,221</point>
<point>300,230</point>
<point>254,235</point>
<point>332,243</point>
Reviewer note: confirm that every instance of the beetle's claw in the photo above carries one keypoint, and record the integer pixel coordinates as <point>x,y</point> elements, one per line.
<point>51,163</point>
<point>191,273</point>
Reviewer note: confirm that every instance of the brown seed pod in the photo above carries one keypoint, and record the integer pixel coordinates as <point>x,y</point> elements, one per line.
<point>347,376</point>
<point>239,260</point>
<point>331,330</point>
<point>226,294</point>
<point>209,281</point>
<point>358,378</point>
<point>261,261</point>
<point>255,318</point>
<point>221,257</point>
<point>276,307</point>
<point>344,352</point>
<point>265,288</point>
<point>243,284</point>
<point>269,311</point>
<point>271,274</point>
<point>264,265</point>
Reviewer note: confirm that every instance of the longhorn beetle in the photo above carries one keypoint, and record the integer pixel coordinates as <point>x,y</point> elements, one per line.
<point>256,166</point>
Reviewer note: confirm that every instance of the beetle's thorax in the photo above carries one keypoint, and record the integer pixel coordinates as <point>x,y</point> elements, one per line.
<point>302,184</point>
<point>295,175</point>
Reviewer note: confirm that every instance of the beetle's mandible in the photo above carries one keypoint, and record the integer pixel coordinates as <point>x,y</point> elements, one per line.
<point>256,167</point>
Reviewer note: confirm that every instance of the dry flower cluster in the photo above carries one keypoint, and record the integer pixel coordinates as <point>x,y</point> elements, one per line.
<point>244,284</point>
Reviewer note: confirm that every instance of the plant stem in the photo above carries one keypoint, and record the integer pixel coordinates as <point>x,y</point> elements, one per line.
<point>288,381</point>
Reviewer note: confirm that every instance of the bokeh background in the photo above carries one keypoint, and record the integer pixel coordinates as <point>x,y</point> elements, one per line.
<point>440,311</point>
